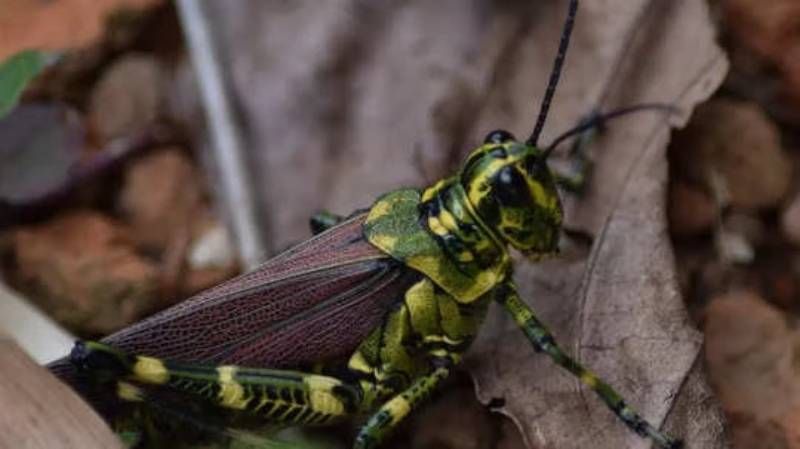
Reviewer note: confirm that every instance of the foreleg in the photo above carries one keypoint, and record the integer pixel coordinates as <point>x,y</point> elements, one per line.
<point>543,340</point>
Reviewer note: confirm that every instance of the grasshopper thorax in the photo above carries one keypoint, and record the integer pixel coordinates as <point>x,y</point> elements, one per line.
<point>511,188</point>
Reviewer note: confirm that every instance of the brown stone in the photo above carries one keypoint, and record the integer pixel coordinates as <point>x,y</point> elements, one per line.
<point>734,149</point>
<point>751,354</point>
<point>161,197</point>
<point>691,211</point>
<point>127,98</point>
<point>82,268</point>
<point>790,220</point>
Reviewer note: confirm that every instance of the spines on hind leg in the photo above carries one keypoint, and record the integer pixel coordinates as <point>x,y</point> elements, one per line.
<point>280,396</point>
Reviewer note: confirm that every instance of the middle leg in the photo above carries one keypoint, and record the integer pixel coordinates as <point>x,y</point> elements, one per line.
<point>324,220</point>
<point>392,412</point>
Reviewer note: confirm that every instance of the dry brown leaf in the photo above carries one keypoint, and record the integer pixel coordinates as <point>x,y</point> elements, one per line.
<point>344,100</point>
<point>60,25</point>
<point>40,412</point>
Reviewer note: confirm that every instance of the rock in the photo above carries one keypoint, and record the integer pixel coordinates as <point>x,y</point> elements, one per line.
<point>738,237</point>
<point>734,149</point>
<point>58,25</point>
<point>791,72</point>
<point>769,29</point>
<point>790,423</point>
<point>161,198</point>
<point>748,432</point>
<point>790,220</point>
<point>213,248</point>
<point>782,288</point>
<point>211,259</point>
<point>83,270</point>
<point>751,356</point>
<point>691,211</point>
<point>127,98</point>
<point>748,225</point>
<point>41,154</point>
<point>733,247</point>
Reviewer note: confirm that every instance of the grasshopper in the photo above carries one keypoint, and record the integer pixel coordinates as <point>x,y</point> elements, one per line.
<point>372,314</point>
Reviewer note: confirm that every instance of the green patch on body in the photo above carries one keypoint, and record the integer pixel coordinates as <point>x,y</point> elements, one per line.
<point>393,225</point>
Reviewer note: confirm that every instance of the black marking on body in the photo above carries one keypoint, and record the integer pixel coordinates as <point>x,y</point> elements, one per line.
<point>449,243</point>
<point>271,392</point>
<point>298,397</point>
<point>292,415</point>
<point>350,398</point>
<point>279,410</point>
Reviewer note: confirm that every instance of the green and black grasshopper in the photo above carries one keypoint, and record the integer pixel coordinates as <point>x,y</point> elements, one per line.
<point>371,315</point>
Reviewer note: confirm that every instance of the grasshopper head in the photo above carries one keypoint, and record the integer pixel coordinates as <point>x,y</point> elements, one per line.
<point>510,186</point>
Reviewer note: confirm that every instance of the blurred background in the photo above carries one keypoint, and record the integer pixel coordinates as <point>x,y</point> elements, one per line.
<point>149,151</point>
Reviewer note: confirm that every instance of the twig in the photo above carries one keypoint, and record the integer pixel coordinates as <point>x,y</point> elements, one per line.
<point>225,135</point>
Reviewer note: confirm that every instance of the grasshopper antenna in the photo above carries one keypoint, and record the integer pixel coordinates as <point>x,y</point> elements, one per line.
<point>601,119</point>
<point>555,73</point>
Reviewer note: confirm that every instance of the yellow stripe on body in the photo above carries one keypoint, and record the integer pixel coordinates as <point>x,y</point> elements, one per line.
<point>448,220</point>
<point>398,407</point>
<point>321,397</point>
<point>589,379</point>
<point>436,226</point>
<point>150,370</point>
<point>129,392</point>
<point>479,186</point>
<point>431,191</point>
<point>441,339</point>
<point>380,209</point>
<point>359,363</point>
<point>439,352</point>
<point>543,198</point>
<point>445,224</point>
<point>384,241</point>
<point>231,392</point>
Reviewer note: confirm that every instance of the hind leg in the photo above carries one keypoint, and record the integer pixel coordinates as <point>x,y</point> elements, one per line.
<point>278,396</point>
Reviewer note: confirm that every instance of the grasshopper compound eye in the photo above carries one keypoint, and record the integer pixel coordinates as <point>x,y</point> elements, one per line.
<point>499,136</point>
